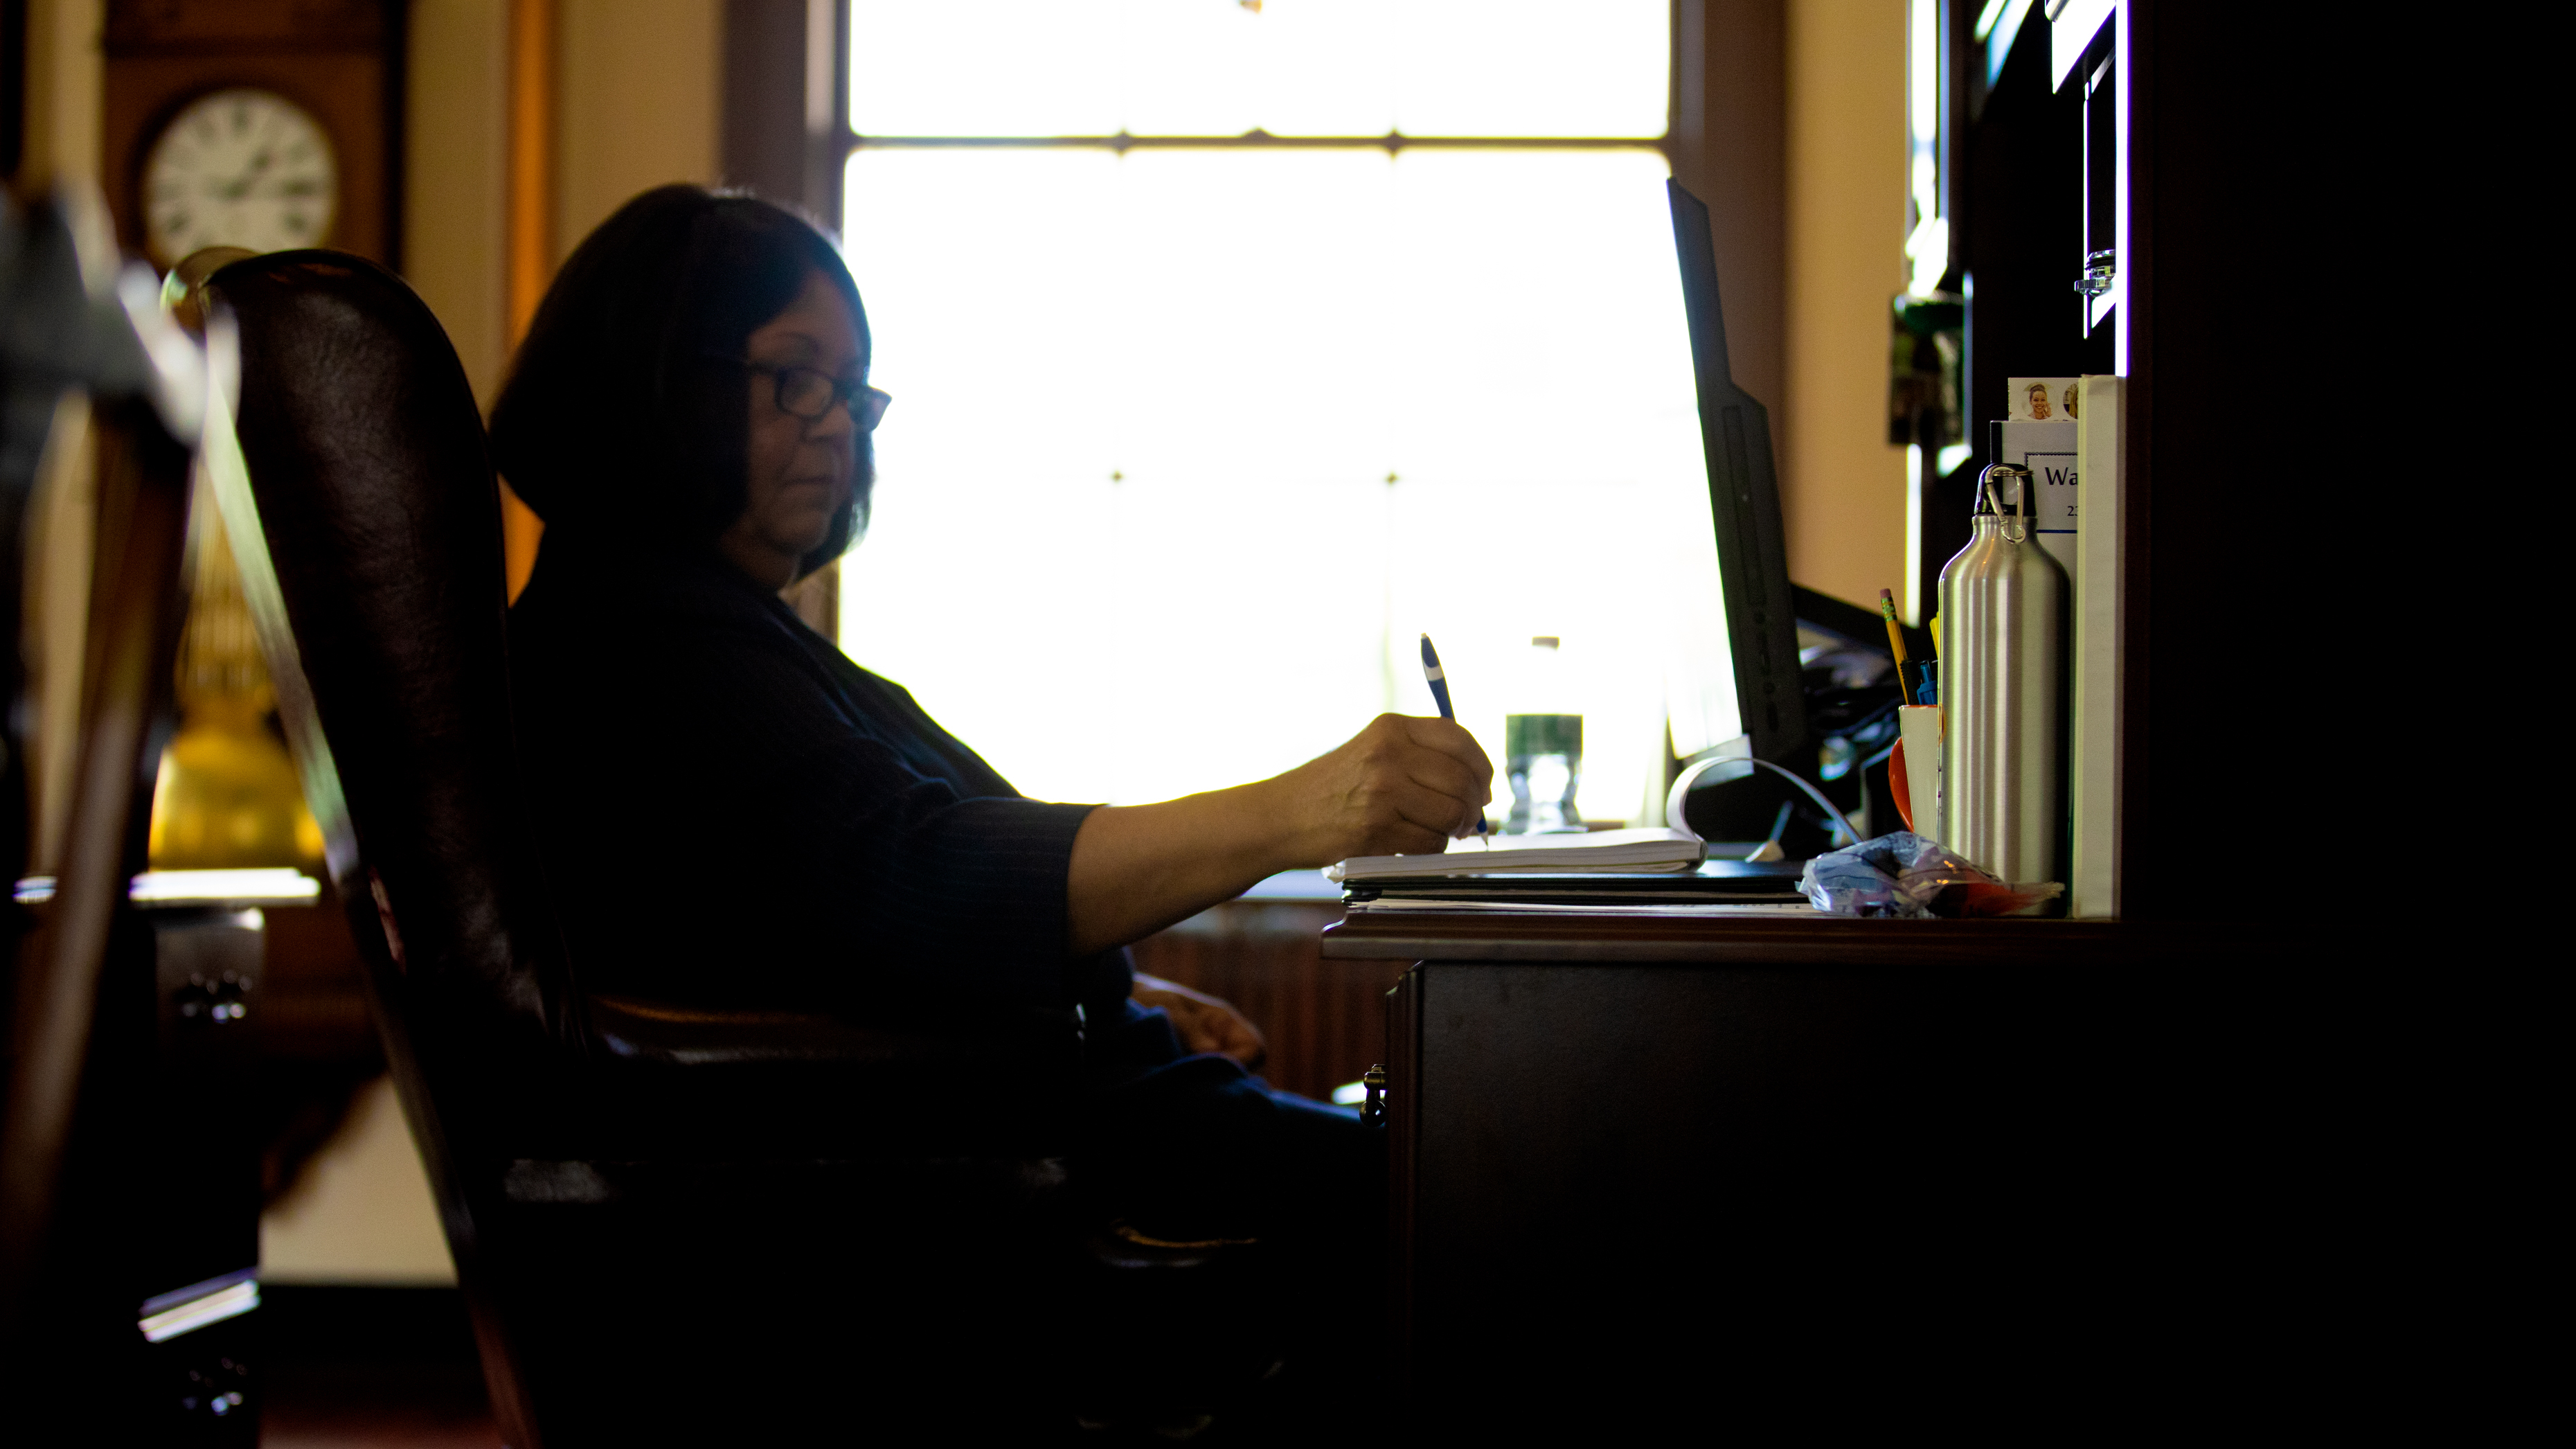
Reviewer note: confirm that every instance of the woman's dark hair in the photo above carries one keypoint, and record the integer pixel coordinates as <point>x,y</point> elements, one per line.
<point>626,412</point>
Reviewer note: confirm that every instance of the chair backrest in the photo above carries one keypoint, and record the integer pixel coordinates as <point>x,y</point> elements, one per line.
<point>365,518</point>
<point>381,522</point>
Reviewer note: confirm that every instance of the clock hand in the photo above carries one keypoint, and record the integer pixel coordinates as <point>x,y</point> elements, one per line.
<point>259,162</point>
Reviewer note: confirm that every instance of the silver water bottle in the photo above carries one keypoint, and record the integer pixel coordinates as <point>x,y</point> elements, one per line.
<point>2003,645</point>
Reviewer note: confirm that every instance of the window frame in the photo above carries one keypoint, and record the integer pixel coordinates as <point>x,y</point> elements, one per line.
<point>848,141</point>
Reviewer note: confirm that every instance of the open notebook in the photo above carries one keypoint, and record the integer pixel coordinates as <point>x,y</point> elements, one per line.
<point>1626,851</point>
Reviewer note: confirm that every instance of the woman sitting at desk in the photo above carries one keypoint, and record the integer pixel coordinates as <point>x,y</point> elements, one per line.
<point>738,815</point>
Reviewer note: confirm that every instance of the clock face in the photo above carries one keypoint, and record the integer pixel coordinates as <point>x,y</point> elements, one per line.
<point>241,168</point>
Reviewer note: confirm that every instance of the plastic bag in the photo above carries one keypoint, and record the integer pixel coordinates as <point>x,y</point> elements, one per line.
<point>1905,874</point>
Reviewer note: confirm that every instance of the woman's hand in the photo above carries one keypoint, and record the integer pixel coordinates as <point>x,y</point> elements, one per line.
<point>1406,785</point>
<point>1202,1022</point>
<point>1403,785</point>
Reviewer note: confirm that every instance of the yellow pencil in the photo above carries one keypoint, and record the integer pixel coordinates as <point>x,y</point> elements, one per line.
<point>1895,643</point>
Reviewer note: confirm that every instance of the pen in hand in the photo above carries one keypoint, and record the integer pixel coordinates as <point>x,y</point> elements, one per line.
<point>1439,681</point>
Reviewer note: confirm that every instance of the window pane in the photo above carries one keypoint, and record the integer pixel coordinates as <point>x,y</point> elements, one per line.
<point>1187,68</point>
<point>982,68</point>
<point>1252,316</point>
<point>1251,343</point>
<point>993,498</point>
<point>1248,389</point>
<point>1547,437</point>
<point>1328,68</point>
<point>1532,67</point>
<point>1294,68</point>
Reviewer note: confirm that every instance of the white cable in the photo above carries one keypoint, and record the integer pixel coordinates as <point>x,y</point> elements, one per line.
<point>1682,788</point>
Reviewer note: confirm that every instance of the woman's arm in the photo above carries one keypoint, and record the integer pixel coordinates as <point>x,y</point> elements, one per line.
<point>1403,785</point>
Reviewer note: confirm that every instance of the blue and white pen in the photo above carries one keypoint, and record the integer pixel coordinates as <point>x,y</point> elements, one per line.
<point>1439,682</point>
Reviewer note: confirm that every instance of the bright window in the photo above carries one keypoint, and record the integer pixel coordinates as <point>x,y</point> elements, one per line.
<point>1191,441</point>
<point>1453,68</point>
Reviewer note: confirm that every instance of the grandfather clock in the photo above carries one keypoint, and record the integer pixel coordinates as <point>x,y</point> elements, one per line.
<point>265,124</point>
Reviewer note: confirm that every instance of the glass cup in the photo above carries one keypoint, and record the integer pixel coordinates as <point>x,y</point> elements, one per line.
<point>1543,756</point>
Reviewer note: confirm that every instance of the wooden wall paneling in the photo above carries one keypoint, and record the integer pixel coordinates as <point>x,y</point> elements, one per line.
<point>764,97</point>
<point>1323,1019</point>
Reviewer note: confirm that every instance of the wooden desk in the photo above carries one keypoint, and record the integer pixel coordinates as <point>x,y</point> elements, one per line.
<point>1659,1171</point>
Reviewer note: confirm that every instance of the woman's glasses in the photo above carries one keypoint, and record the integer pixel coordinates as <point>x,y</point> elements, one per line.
<point>808,394</point>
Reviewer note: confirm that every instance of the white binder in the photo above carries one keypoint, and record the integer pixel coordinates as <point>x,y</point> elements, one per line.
<point>2093,765</point>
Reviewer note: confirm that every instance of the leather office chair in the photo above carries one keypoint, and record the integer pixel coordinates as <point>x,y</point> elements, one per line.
<point>665,1220</point>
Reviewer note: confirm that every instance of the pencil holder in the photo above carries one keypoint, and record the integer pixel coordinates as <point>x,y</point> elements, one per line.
<point>1919,735</point>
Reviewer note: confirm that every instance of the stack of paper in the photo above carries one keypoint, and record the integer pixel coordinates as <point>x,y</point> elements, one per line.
<point>1474,906</point>
<point>1628,851</point>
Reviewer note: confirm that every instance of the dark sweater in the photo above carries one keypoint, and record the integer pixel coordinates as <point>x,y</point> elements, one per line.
<point>735,814</point>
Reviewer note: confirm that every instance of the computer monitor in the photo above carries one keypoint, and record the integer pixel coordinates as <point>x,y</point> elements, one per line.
<point>1744,503</point>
